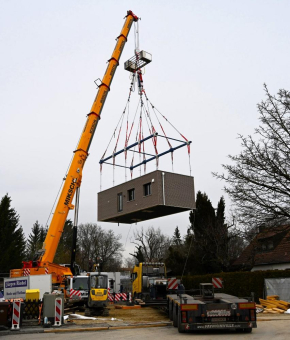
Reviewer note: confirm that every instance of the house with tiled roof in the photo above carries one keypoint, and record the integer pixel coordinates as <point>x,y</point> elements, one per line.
<point>269,250</point>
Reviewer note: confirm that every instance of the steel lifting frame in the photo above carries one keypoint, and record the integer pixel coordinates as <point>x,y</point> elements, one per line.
<point>103,161</point>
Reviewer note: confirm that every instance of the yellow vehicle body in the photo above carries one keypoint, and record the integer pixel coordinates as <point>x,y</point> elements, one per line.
<point>98,294</point>
<point>43,262</point>
<point>146,277</point>
<point>137,279</point>
<point>98,297</point>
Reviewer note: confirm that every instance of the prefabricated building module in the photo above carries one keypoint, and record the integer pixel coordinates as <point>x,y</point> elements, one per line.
<point>152,195</point>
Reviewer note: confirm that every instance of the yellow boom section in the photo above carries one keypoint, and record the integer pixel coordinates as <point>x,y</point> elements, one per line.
<point>74,176</point>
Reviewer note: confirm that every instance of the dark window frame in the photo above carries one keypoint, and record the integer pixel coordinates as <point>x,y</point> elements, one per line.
<point>147,192</point>
<point>131,195</point>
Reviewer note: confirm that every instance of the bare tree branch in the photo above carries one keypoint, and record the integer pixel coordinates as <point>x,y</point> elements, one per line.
<point>258,179</point>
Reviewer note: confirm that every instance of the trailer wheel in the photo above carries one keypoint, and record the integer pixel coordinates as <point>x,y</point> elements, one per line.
<point>247,330</point>
<point>170,310</point>
<point>180,329</point>
<point>175,315</point>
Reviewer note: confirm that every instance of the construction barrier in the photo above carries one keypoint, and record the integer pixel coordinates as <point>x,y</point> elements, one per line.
<point>31,309</point>
<point>16,315</point>
<point>75,294</point>
<point>119,297</point>
<point>173,283</point>
<point>58,312</point>
<point>217,282</point>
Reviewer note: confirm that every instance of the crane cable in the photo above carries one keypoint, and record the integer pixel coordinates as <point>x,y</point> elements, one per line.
<point>136,138</point>
<point>154,140</point>
<point>152,131</point>
<point>155,108</point>
<point>132,89</point>
<point>169,144</point>
<point>188,144</point>
<point>136,76</point>
<point>136,35</point>
<point>120,122</point>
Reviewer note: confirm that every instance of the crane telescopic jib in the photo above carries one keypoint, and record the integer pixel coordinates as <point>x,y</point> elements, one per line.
<point>43,260</point>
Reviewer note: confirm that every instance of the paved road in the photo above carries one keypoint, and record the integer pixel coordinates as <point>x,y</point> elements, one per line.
<point>274,330</point>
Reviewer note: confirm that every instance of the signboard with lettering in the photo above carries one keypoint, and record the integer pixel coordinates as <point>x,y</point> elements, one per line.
<point>15,288</point>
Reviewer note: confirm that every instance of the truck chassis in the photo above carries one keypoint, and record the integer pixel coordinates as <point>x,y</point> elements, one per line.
<point>223,311</point>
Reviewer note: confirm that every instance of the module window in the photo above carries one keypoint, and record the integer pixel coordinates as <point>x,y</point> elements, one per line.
<point>131,195</point>
<point>120,201</point>
<point>147,189</point>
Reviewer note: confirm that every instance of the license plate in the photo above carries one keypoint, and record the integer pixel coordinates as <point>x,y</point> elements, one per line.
<point>218,319</point>
<point>218,312</point>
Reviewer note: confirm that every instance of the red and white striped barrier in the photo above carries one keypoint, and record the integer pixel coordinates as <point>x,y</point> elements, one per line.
<point>58,312</point>
<point>26,271</point>
<point>118,297</point>
<point>217,282</point>
<point>75,294</point>
<point>16,315</point>
<point>172,283</point>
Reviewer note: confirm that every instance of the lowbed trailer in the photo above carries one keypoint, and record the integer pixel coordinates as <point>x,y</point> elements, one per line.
<point>211,311</point>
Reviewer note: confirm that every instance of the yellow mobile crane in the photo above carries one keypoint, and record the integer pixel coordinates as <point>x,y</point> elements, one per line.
<point>42,263</point>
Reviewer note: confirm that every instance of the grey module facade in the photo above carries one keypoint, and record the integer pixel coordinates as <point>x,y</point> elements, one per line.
<point>153,195</point>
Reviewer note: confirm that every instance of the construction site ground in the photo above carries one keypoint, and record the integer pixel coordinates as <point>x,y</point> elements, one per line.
<point>125,316</point>
<point>122,320</point>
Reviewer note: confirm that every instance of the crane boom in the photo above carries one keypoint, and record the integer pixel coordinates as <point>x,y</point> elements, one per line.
<point>74,176</point>
<point>44,258</point>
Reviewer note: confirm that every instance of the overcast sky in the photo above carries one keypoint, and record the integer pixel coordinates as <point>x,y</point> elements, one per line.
<point>210,60</point>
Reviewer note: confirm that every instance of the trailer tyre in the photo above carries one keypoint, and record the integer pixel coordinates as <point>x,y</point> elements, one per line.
<point>170,314</point>
<point>180,329</point>
<point>175,315</point>
<point>247,330</point>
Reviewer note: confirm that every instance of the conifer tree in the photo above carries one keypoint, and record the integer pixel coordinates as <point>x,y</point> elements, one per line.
<point>12,240</point>
<point>42,235</point>
<point>63,253</point>
<point>210,236</point>
<point>33,241</point>
<point>221,236</point>
<point>176,240</point>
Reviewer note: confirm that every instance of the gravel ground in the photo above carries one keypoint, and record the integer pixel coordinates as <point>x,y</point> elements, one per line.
<point>127,316</point>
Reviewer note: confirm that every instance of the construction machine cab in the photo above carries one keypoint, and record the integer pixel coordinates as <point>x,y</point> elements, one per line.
<point>98,294</point>
<point>99,281</point>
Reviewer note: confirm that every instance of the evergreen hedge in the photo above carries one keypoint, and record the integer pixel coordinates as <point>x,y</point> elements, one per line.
<point>240,284</point>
